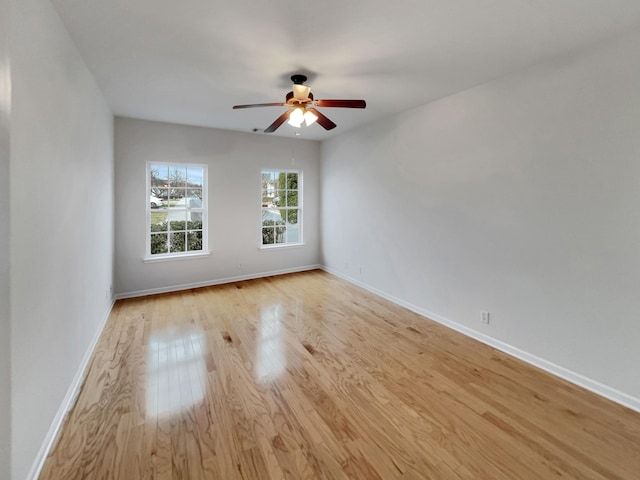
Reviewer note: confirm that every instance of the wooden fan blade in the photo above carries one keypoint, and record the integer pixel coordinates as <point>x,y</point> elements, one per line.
<point>322,120</point>
<point>253,105</point>
<point>341,103</point>
<point>279,121</point>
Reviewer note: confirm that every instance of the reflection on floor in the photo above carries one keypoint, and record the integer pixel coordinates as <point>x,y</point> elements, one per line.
<point>176,370</point>
<point>270,360</point>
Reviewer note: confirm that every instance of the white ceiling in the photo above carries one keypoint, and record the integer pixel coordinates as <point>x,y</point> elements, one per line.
<point>190,61</point>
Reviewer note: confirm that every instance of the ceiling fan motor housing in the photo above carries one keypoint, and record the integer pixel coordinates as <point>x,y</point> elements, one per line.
<point>298,79</point>
<point>292,100</point>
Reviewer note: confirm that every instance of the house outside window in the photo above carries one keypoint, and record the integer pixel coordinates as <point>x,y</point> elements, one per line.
<point>281,205</point>
<point>176,210</point>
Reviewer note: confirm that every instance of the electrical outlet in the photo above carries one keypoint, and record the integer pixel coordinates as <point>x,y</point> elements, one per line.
<point>484,317</point>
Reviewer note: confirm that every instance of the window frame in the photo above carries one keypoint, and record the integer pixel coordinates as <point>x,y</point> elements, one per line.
<point>300,209</point>
<point>162,257</point>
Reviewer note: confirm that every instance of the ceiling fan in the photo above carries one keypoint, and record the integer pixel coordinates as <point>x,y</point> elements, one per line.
<point>302,107</point>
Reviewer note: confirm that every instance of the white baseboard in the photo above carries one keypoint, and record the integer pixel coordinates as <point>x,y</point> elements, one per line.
<point>219,281</point>
<point>569,375</point>
<point>68,402</point>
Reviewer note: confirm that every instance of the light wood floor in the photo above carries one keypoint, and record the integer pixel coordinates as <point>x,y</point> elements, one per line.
<point>305,376</point>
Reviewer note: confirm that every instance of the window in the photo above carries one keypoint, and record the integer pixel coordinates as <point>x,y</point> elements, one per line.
<point>281,207</point>
<point>176,210</point>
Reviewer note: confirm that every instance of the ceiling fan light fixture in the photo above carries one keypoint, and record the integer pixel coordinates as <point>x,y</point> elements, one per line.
<point>310,118</point>
<point>296,118</point>
<point>301,92</point>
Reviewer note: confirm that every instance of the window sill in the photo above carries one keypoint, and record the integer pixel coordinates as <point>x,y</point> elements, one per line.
<point>281,246</point>
<point>170,258</point>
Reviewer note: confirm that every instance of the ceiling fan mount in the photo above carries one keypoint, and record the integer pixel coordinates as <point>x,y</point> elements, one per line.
<point>302,107</point>
<point>298,79</point>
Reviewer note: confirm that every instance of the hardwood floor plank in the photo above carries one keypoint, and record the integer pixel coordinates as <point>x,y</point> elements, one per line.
<point>305,377</point>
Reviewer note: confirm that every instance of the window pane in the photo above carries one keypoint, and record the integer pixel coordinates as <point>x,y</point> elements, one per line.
<point>292,198</point>
<point>293,233</point>
<point>177,220</point>
<point>290,216</point>
<point>178,176</point>
<point>195,193</point>
<point>267,185</point>
<point>158,243</point>
<point>194,177</point>
<point>159,221</point>
<point>159,175</point>
<point>271,217</point>
<point>177,241</point>
<point>155,201</point>
<point>194,241</point>
<point>177,193</point>
<point>268,236</point>
<point>292,181</point>
<point>176,198</point>
<point>281,179</point>
<point>275,194</point>
<point>195,218</point>
<point>192,201</point>
<point>281,234</point>
<point>193,223</point>
<point>160,193</point>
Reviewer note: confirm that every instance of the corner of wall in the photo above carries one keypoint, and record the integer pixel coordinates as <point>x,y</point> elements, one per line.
<point>5,244</point>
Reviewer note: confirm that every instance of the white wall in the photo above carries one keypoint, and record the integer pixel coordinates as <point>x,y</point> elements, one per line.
<point>61,220</point>
<point>234,161</point>
<point>5,244</point>
<point>520,197</point>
